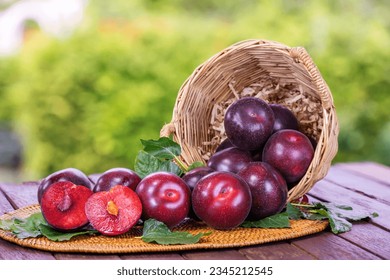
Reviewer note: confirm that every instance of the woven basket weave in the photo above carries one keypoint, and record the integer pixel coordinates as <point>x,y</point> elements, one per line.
<point>131,242</point>
<point>271,71</point>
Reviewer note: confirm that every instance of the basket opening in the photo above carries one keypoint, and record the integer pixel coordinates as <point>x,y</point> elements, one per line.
<point>272,76</point>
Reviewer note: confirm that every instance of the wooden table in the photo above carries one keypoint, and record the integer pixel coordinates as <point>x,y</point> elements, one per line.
<point>363,185</point>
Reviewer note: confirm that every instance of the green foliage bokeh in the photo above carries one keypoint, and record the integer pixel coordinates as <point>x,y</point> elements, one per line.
<point>87,100</point>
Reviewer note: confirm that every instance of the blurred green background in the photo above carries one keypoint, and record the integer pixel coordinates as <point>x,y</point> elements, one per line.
<point>85,101</point>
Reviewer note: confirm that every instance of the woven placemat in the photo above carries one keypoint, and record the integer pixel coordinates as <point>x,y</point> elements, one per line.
<point>132,243</point>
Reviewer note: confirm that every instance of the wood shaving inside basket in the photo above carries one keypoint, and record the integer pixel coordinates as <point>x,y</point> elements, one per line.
<point>306,107</point>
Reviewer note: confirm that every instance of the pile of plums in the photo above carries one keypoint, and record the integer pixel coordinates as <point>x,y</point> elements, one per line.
<point>252,169</point>
<point>247,178</point>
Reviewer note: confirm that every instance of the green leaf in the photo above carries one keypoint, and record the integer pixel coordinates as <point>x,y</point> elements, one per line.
<point>195,165</point>
<point>293,212</point>
<point>6,224</point>
<point>279,220</point>
<point>171,167</point>
<point>35,225</point>
<point>156,231</point>
<point>316,215</point>
<point>164,148</point>
<point>28,227</point>
<point>339,216</point>
<point>146,164</point>
<point>346,211</point>
<point>338,224</point>
<point>54,235</point>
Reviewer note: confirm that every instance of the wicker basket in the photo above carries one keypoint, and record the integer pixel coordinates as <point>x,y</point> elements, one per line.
<point>271,71</point>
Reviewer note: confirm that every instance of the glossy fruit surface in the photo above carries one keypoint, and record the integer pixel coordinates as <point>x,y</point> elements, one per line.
<point>117,176</point>
<point>229,160</point>
<point>115,211</point>
<point>224,145</point>
<point>249,122</point>
<point>290,152</point>
<point>165,197</point>
<point>222,200</point>
<point>284,118</point>
<point>268,189</point>
<point>63,204</point>
<point>73,175</point>
<point>191,178</point>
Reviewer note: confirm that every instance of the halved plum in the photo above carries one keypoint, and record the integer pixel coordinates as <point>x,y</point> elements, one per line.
<point>73,175</point>
<point>115,211</point>
<point>63,204</point>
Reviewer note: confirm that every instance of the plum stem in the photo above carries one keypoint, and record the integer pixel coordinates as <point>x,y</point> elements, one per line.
<point>181,164</point>
<point>303,205</point>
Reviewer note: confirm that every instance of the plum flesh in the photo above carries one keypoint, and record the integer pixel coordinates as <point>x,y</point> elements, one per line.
<point>73,175</point>
<point>63,204</point>
<point>114,212</point>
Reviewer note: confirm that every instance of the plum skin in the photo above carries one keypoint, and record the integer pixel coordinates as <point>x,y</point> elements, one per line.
<point>165,197</point>
<point>284,118</point>
<point>268,188</point>
<point>117,176</point>
<point>222,200</point>
<point>224,145</point>
<point>73,175</point>
<point>248,123</point>
<point>230,160</point>
<point>290,152</point>
<point>191,178</point>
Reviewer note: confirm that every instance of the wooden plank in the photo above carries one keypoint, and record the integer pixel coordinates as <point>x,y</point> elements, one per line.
<point>18,197</point>
<point>359,183</point>
<point>64,256</point>
<point>10,251</point>
<point>21,195</point>
<point>327,191</point>
<point>223,254</point>
<point>152,256</point>
<point>5,205</point>
<point>371,238</point>
<point>275,251</point>
<point>328,246</point>
<point>373,170</point>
